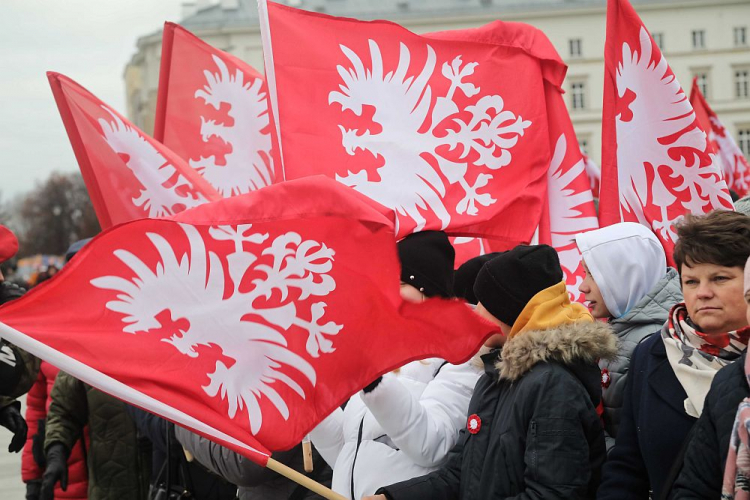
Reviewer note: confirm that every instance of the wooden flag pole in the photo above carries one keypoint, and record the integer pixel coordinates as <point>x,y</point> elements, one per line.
<point>305,481</point>
<point>307,454</point>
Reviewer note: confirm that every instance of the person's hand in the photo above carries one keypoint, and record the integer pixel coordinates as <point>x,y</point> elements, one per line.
<point>33,488</point>
<point>10,291</point>
<point>375,497</point>
<point>11,419</point>
<point>57,470</point>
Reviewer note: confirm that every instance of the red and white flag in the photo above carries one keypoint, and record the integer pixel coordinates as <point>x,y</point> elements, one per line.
<point>212,111</point>
<point>247,320</point>
<point>571,207</point>
<point>729,155</point>
<point>467,248</point>
<point>657,163</point>
<point>128,174</point>
<point>421,124</point>
<point>594,173</point>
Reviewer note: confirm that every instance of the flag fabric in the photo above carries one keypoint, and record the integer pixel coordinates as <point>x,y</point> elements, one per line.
<point>421,124</point>
<point>571,209</point>
<point>657,163</point>
<point>128,174</point>
<point>733,163</point>
<point>467,248</point>
<point>212,110</point>
<point>262,313</point>
<point>593,172</point>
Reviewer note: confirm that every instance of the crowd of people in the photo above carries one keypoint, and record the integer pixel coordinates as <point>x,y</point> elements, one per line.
<point>642,394</point>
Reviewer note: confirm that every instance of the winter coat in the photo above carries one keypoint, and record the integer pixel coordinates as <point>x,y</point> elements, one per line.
<point>403,428</point>
<point>18,372</point>
<point>645,318</point>
<point>202,483</point>
<point>119,460</point>
<point>652,430</point>
<point>706,456</point>
<point>37,402</point>
<point>538,434</point>
<point>253,480</point>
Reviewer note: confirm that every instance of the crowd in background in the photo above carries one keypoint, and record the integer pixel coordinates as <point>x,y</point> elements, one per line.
<point>638,395</point>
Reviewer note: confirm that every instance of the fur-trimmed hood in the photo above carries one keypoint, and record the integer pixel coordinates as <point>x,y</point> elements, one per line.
<point>582,342</point>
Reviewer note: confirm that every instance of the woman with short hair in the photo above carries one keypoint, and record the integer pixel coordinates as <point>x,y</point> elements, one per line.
<point>670,373</point>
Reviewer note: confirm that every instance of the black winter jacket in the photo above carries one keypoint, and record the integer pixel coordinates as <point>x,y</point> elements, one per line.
<point>652,430</point>
<point>703,466</point>
<point>540,435</point>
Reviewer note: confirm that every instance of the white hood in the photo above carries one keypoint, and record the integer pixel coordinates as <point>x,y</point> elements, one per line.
<point>626,260</point>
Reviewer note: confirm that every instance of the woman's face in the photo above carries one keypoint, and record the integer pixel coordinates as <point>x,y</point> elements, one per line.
<point>593,295</point>
<point>410,294</point>
<point>714,298</point>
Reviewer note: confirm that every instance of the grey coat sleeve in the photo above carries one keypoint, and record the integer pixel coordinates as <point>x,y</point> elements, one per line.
<point>231,466</point>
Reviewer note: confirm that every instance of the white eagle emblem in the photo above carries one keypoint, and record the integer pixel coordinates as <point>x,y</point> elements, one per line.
<point>407,140</point>
<point>247,326</point>
<point>162,191</point>
<point>656,128</point>
<point>248,166</point>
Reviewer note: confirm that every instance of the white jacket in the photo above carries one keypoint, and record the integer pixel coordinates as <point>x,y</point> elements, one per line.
<point>410,422</point>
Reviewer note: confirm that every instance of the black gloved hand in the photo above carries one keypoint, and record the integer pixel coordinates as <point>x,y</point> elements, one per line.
<point>10,291</point>
<point>11,419</point>
<point>57,470</point>
<point>33,489</point>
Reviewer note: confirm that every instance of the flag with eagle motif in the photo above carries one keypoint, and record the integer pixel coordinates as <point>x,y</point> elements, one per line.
<point>657,163</point>
<point>248,319</point>
<point>421,124</point>
<point>571,209</point>
<point>733,163</point>
<point>128,174</point>
<point>594,173</point>
<point>212,110</point>
<point>570,206</point>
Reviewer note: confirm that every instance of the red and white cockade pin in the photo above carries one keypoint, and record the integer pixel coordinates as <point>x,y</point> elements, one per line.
<point>606,378</point>
<point>474,423</point>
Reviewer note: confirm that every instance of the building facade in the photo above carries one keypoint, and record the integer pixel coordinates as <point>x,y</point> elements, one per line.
<point>707,39</point>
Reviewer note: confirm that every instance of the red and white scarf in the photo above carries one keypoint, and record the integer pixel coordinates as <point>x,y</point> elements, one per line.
<point>695,357</point>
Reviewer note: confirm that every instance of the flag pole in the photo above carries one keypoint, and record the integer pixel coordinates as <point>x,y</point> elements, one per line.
<point>303,480</point>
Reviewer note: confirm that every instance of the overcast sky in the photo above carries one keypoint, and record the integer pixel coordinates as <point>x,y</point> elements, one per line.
<point>88,40</point>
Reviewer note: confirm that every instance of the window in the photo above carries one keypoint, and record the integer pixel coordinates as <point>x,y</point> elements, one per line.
<point>743,134</point>
<point>740,36</point>
<point>742,83</point>
<point>699,39</point>
<point>701,78</point>
<point>659,40</point>
<point>578,95</point>
<point>574,44</point>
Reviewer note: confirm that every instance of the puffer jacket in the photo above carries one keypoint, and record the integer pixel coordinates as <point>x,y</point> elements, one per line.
<point>253,480</point>
<point>37,402</point>
<point>536,433</point>
<point>119,460</point>
<point>646,318</point>
<point>706,456</point>
<point>403,428</point>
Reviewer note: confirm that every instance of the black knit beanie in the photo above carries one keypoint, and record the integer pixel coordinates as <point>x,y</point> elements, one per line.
<point>427,263</point>
<point>466,275</point>
<point>506,283</point>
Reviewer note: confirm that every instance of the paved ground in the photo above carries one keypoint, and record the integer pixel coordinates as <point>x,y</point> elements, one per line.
<point>11,486</point>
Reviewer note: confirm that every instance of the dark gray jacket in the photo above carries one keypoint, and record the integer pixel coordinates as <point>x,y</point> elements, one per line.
<point>253,480</point>
<point>539,434</point>
<point>646,318</point>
